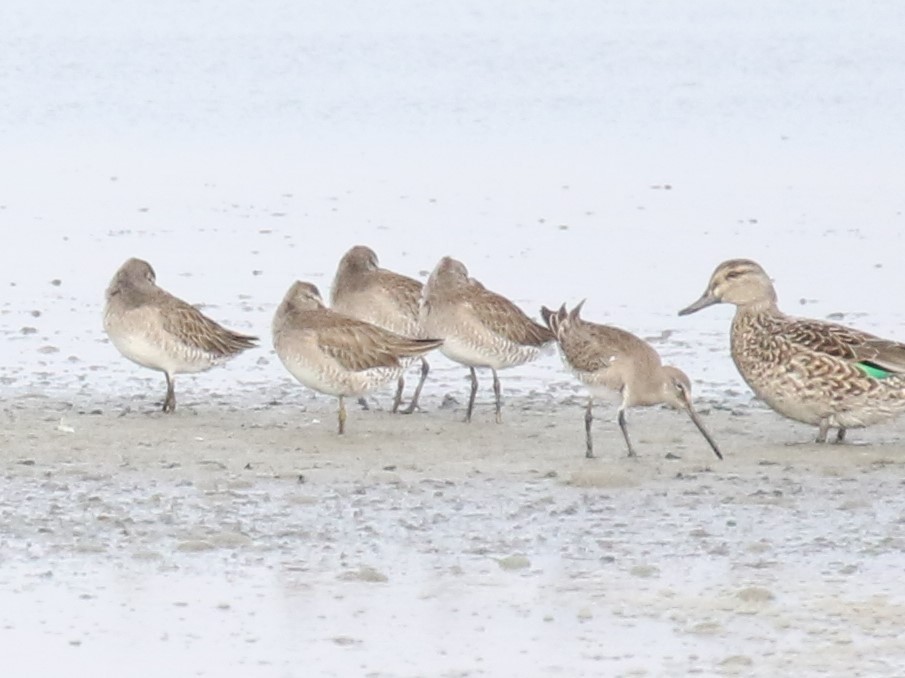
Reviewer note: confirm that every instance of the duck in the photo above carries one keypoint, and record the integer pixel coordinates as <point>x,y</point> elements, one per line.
<point>812,371</point>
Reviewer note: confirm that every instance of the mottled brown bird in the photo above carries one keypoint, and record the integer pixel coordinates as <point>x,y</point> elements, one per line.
<point>151,327</point>
<point>363,290</point>
<point>815,372</point>
<point>479,328</point>
<point>334,353</point>
<point>613,362</point>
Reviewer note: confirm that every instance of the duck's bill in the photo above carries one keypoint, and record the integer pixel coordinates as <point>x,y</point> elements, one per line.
<point>705,301</point>
<point>697,422</point>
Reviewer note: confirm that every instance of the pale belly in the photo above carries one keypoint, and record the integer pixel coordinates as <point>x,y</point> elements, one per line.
<point>498,355</point>
<point>595,384</point>
<point>163,355</point>
<point>335,381</point>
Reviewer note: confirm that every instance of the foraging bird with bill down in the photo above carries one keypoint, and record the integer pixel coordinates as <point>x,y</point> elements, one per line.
<point>812,371</point>
<point>610,361</point>
<point>334,353</point>
<point>154,329</point>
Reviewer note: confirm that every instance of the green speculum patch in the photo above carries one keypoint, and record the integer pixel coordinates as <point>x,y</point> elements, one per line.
<point>874,371</point>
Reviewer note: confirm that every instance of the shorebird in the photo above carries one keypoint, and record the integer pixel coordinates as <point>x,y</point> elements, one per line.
<point>609,361</point>
<point>151,327</point>
<point>335,353</point>
<point>815,372</point>
<point>479,328</point>
<point>365,291</point>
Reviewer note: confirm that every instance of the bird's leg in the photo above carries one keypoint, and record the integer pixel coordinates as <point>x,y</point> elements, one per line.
<point>398,399</point>
<point>169,403</point>
<point>425,368</point>
<point>474,391</point>
<point>496,395</point>
<point>624,427</point>
<point>342,415</point>
<point>588,418</point>
<point>824,428</point>
<point>840,435</point>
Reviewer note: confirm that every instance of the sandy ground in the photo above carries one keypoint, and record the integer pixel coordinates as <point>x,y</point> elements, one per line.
<point>226,540</point>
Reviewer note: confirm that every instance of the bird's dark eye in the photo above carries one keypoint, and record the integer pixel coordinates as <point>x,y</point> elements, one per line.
<point>733,274</point>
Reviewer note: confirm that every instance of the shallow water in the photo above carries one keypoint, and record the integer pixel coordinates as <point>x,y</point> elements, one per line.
<point>600,151</point>
<point>604,153</point>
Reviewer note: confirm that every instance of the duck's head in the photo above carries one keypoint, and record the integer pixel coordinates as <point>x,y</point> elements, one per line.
<point>736,281</point>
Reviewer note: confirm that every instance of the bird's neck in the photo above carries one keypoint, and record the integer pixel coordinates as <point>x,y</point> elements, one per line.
<point>646,388</point>
<point>761,307</point>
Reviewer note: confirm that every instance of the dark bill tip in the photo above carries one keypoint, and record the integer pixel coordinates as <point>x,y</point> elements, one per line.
<point>704,432</point>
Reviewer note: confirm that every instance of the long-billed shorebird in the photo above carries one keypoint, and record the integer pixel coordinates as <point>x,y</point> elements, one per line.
<point>479,328</point>
<point>334,353</point>
<point>151,327</point>
<point>611,361</point>
<point>392,301</point>
<point>815,372</point>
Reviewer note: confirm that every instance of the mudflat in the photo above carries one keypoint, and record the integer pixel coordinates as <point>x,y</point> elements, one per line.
<point>420,545</point>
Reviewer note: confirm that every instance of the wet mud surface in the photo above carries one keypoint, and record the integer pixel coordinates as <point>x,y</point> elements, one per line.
<point>219,538</point>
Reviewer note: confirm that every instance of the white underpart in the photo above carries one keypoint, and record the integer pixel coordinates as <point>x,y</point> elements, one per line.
<point>592,382</point>
<point>328,377</point>
<point>499,354</point>
<point>163,353</point>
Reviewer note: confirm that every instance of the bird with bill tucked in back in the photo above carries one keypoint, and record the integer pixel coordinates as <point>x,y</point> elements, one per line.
<point>364,290</point>
<point>479,328</point>
<point>334,353</point>
<point>151,327</point>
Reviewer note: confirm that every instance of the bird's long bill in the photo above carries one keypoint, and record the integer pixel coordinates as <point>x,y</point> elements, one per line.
<point>705,301</point>
<point>697,422</point>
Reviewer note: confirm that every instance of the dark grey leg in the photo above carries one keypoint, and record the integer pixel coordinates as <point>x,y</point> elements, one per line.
<point>588,418</point>
<point>624,427</point>
<point>474,391</point>
<point>496,395</point>
<point>425,368</point>
<point>169,404</point>
<point>398,399</point>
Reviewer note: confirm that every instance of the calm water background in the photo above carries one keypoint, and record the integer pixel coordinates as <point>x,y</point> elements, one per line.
<point>588,149</point>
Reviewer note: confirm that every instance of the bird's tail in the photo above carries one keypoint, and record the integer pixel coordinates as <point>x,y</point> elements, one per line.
<point>554,319</point>
<point>416,347</point>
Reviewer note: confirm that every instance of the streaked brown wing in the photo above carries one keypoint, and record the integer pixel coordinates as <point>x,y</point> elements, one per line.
<point>194,328</point>
<point>505,319</point>
<point>357,345</point>
<point>590,347</point>
<point>846,343</point>
<point>407,291</point>
<point>887,354</point>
